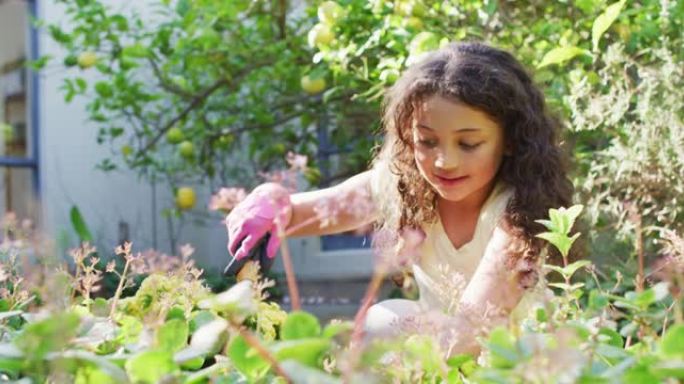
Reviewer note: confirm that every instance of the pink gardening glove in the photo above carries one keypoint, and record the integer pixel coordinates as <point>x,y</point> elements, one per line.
<point>255,216</point>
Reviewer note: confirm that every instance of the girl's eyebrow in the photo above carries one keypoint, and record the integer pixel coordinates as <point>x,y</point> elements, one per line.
<point>423,126</point>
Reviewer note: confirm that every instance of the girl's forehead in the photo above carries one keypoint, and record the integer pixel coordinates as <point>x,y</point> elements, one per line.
<point>441,114</point>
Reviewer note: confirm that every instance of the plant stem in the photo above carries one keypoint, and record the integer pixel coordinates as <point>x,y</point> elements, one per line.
<point>303,224</point>
<point>261,350</point>
<point>359,321</point>
<point>119,289</point>
<point>640,255</point>
<point>371,293</point>
<point>289,271</point>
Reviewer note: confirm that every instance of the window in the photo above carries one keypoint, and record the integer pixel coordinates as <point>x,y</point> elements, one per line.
<point>329,156</point>
<point>18,111</point>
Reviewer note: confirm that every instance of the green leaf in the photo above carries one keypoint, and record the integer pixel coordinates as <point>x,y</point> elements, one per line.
<point>639,374</point>
<point>567,287</point>
<point>89,374</point>
<point>150,366</point>
<point>604,21</point>
<point>612,338</point>
<point>558,221</point>
<point>193,364</point>
<point>611,353</point>
<point>332,330</point>
<point>105,370</point>
<point>6,315</point>
<point>135,51</point>
<point>550,225</point>
<point>572,214</point>
<point>669,369</point>
<point>540,315</point>
<point>503,353</point>
<point>560,55</point>
<point>300,373</point>
<point>176,313</point>
<point>173,335</point>
<point>81,83</point>
<point>130,328</point>
<point>597,300</point>
<point>573,267</point>
<point>100,307</point>
<point>299,325</point>
<point>306,351</point>
<point>562,242</point>
<point>182,7</point>
<point>672,343</point>
<point>245,359</point>
<point>39,63</point>
<point>50,334</point>
<point>458,360</point>
<point>11,358</point>
<point>79,225</point>
<point>59,35</point>
<point>103,89</point>
<point>199,318</point>
<point>211,337</point>
<point>652,295</point>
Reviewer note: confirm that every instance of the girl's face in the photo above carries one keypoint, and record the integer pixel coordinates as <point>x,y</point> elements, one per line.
<point>458,149</point>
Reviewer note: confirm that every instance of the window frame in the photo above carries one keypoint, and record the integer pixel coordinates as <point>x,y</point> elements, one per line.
<point>32,161</point>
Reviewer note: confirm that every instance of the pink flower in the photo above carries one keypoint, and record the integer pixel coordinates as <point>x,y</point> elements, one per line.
<point>297,162</point>
<point>395,251</point>
<point>328,210</point>
<point>226,199</point>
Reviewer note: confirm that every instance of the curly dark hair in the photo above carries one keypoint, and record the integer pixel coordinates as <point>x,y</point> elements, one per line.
<point>492,81</point>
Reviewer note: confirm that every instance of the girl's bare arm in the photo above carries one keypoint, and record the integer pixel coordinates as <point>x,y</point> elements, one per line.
<point>340,208</point>
<point>490,296</point>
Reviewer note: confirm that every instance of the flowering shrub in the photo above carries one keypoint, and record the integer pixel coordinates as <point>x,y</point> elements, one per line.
<point>174,330</point>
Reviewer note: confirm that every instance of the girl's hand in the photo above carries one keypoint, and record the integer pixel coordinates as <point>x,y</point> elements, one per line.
<point>264,210</point>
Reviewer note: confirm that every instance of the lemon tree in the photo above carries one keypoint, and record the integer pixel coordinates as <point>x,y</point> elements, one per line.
<point>245,78</point>
<point>208,81</point>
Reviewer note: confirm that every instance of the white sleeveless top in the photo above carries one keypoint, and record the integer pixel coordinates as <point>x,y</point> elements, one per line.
<point>442,271</point>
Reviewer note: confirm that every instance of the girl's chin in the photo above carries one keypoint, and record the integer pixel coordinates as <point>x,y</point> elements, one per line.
<point>449,194</point>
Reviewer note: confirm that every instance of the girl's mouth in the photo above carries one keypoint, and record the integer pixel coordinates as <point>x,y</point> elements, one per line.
<point>450,182</point>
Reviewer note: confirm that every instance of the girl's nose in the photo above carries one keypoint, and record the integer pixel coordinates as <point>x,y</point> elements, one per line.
<point>446,160</point>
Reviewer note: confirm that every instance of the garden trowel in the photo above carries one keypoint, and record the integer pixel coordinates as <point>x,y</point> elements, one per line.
<point>258,254</point>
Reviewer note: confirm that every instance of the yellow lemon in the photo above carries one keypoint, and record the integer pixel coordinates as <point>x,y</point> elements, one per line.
<point>320,35</point>
<point>185,198</point>
<point>126,150</point>
<point>87,59</point>
<point>311,85</point>
<point>329,12</point>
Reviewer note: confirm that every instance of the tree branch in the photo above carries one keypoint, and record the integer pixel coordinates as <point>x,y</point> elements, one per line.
<point>199,99</point>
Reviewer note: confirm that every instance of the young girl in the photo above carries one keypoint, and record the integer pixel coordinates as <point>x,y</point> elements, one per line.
<point>471,159</point>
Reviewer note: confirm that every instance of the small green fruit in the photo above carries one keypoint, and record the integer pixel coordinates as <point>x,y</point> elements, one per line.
<point>175,135</point>
<point>186,149</point>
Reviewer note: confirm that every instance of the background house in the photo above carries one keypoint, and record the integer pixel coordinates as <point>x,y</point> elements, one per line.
<point>48,166</point>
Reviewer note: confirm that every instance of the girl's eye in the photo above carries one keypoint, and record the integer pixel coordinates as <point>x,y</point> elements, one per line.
<point>427,143</point>
<point>469,147</point>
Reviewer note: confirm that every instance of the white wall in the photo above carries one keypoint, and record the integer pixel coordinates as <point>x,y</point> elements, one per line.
<point>69,152</point>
